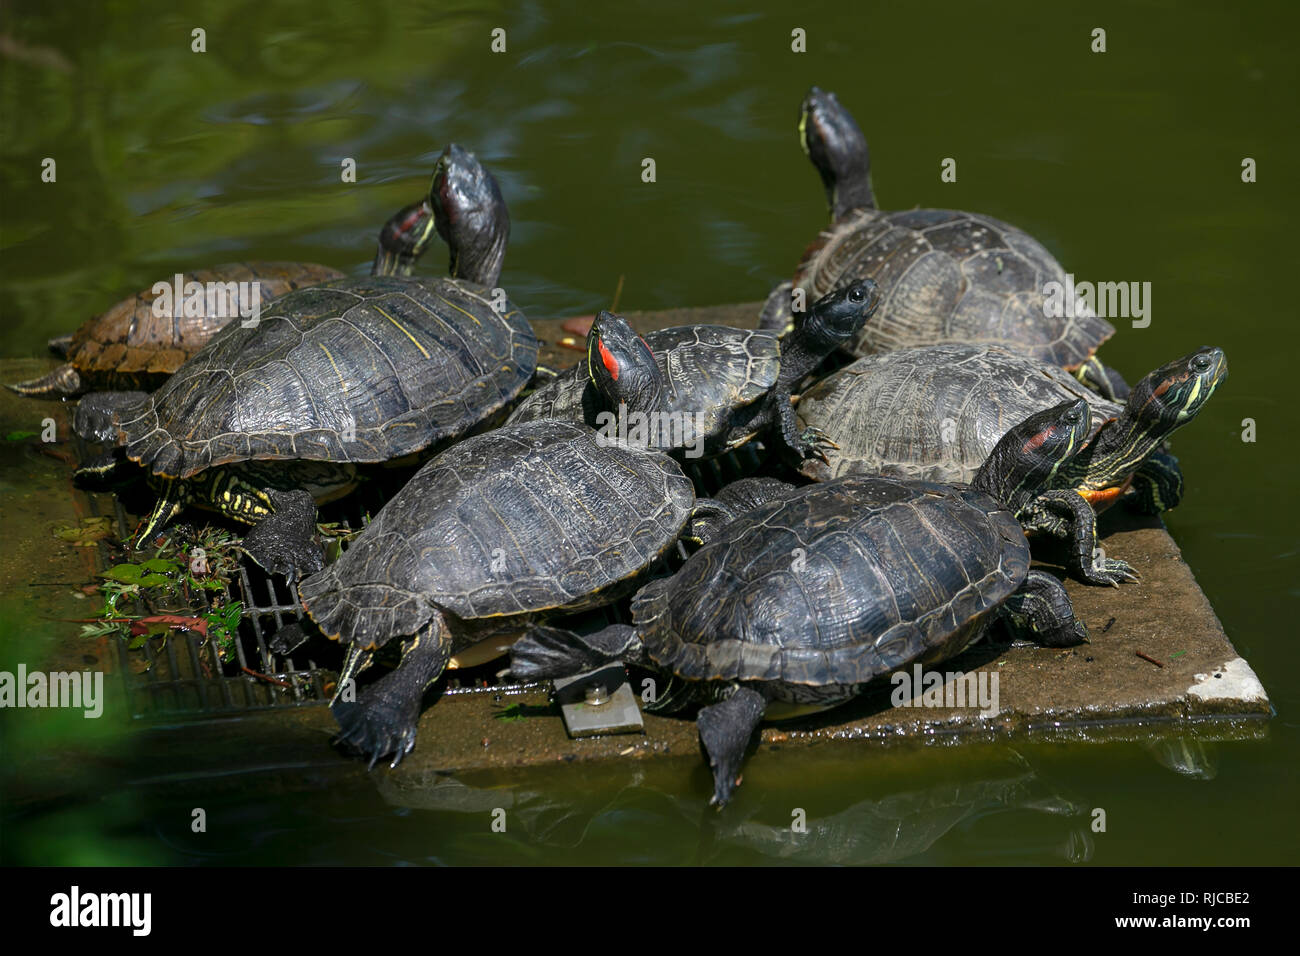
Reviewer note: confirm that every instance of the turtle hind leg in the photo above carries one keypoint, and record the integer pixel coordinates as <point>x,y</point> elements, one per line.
<point>63,381</point>
<point>284,542</point>
<point>1042,608</point>
<point>725,729</point>
<point>549,652</point>
<point>383,719</point>
<point>1157,485</point>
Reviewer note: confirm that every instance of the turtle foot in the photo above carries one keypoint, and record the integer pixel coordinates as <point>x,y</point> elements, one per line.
<point>285,542</point>
<point>377,725</point>
<point>725,729</point>
<point>1112,573</point>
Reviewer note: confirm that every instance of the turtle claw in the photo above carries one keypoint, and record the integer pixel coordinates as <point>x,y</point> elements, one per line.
<point>285,542</point>
<point>377,726</point>
<point>1112,572</point>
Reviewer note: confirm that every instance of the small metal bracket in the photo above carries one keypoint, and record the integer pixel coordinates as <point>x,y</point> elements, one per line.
<point>598,702</point>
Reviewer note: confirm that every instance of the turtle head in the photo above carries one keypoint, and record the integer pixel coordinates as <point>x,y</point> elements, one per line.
<point>834,321</point>
<point>832,140</point>
<point>621,365</point>
<point>403,240</point>
<point>1174,394</point>
<point>1025,462</point>
<point>1160,404</point>
<point>470,215</point>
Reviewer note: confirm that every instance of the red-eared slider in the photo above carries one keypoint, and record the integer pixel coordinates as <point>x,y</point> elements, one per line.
<point>699,390</point>
<point>496,530</point>
<point>402,240</point>
<point>347,372</point>
<point>937,413</point>
<point>891,572</point>
<point>137,343</point>
<point>944,276</point>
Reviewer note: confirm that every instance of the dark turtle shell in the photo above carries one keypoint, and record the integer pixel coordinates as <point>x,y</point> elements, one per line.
<point>714,370</point>
<point>357,370</point>
<point>950,276</point>
<point>836,584</point>
<point>518,520</point>
<point>130,346</point>
<point>934,413</point>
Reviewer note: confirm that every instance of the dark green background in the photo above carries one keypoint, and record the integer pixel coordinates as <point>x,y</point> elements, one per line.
<point>1126,164</point>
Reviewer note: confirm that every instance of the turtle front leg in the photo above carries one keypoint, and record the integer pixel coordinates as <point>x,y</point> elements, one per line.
<point>383,720</point>
<point>812,443</point>
<point>1080,526</point>
<point>725,729</point>
<point>1157,484</point>
<point>1042,608</point>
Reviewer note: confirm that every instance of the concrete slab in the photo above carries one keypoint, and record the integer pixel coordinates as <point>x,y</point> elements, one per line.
<point>1159,665</point>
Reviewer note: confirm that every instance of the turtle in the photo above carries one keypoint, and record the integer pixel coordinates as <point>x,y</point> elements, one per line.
<point>700,390</point>
<point>525,520</point>
<point>944,275</point>
<point>138,342</point>
<point>889,572</point>
<point>352,371</point>
<point>402,239</point>
<point>937,412</point>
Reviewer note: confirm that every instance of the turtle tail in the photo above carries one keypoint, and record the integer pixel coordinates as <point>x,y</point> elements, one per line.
<point>63,381</point>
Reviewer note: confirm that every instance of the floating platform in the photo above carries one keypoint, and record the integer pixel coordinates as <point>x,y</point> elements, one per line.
<point>1159,664</point>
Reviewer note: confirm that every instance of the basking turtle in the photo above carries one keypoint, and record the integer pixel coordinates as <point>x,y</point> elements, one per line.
<point>892,572</point>
<point>134,346</point>
<point>700,390</point>
<point>346,372</point>
<point>402,240</point>
<point>944,276</point>
<point>937,413</point>
<point>499,528</point>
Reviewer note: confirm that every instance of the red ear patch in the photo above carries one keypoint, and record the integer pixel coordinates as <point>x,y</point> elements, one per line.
<point>1037,441</point>
<point>607,357</point>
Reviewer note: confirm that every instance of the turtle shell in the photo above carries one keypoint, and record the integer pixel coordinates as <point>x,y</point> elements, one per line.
<point>518,520</point>
<point>836,584</point>
<point>357,370</point>
<point>713,370</point>
<point>934,413</point>
<point>950,276</point>
<point>131,346</point>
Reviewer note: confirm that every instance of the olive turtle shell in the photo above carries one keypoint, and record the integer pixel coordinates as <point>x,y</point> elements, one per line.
<point>357,370</point>
<point>713,370</point>
<point>836,584</point>
<point>948,276</point>
<point>518,520</point>
<point>934,413</point>
<point>132,345</point>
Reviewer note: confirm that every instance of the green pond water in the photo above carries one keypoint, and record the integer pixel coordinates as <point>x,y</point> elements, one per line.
<point>1125,164</point>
